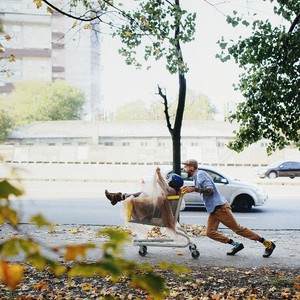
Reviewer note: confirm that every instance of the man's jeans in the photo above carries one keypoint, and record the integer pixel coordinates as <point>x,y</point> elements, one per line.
<point>225,216</point>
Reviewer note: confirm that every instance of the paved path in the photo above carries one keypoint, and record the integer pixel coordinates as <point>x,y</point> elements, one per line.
<point>212,253</point>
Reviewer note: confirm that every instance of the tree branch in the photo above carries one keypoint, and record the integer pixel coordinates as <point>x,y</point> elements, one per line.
<point>89,19</point>
<point>295,22</point>
<point>166,110</point>
<point>70,15</point>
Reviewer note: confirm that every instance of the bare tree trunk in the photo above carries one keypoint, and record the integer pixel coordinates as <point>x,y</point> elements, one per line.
<point>176,136</point>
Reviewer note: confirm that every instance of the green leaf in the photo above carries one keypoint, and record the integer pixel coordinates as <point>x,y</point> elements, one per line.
<point>6,189</point>
<point>40,221</point>
<point>10,247</point>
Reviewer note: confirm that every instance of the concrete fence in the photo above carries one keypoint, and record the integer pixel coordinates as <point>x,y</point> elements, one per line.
<point>99,154</point>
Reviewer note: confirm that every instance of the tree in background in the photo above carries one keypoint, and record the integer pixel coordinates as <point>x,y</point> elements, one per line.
<point>270,83</point>
<point>197,108</point>
<point>41,101</point>
<point>6,125</point>
<point>152,29</point>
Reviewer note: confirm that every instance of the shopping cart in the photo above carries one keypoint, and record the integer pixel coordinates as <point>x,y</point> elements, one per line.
<point>156,220</point>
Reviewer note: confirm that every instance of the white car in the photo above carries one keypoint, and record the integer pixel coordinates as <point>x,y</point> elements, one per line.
<point>240,195</point>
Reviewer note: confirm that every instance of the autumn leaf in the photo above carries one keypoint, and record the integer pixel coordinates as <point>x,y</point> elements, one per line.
<point>73,251</point>
<point>49,10</point>
<point>7,37</point>
<point>87,26</point>
<point>41,286</point>
<point>86,286</point>
<point>8,214</point>
<point>297,286</point>
<point>11,274</point>
<point>38,3</point>
<point>12,58</point>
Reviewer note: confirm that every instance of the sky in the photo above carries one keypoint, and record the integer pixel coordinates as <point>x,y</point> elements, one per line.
<point>207,75</point>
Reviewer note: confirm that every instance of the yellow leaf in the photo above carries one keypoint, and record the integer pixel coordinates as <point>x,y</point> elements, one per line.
<point>86,286</point>
<point>73,231</point>
<point>72,251</point>
<point>9,215</point>
<point>12,58</point>
<point>7,37</point>
<point>49,10</point>
<point>38,3</point>
<point>87,26</point>
<point>297,277</point>
<point>11,274</point>
<point>128,33</point>
<point>74,24</point>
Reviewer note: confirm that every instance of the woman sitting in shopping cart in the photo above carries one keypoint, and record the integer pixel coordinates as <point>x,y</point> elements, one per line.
<point>143,208</point>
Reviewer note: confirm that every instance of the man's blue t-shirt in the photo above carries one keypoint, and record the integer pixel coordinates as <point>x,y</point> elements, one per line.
<point>203,180</point>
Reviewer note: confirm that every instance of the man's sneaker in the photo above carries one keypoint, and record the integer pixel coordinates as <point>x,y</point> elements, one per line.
<point>236,249</point>
<point>269,250</point>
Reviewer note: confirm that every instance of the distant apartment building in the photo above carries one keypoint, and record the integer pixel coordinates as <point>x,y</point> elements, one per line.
<point>46,47</point>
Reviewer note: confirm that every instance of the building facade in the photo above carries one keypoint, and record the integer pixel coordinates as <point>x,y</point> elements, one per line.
<point>48,47</point>
<point>134,142</point>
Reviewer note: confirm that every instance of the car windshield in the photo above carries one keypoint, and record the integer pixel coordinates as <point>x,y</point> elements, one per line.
<point>217,178</point>
<point>275,164</point>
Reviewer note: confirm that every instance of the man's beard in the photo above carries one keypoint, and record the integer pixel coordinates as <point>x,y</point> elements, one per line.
<point>189,173</point>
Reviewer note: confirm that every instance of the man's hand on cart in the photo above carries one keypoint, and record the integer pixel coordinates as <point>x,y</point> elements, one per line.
<point>187,189</point>
<point>190,189</point>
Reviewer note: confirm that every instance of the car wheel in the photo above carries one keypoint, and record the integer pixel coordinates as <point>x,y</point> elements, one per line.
<point>272,175</point>
<point>292,177</point>
<point>242,203</point>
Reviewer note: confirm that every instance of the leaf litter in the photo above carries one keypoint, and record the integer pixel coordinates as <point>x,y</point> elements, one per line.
<point>215,283</point>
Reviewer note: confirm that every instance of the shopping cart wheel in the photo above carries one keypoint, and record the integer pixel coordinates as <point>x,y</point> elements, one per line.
<point>192,247</point>
<point>195,254</point>
<point>143,251</point>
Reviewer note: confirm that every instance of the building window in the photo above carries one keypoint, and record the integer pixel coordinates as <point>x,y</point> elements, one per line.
<point>264,144</point>
<point>220,144</point>
<point>125,144</point>
<point>144,144</point>
<point>161,144</point>
<point>194,144</point>
<point>108,143</point>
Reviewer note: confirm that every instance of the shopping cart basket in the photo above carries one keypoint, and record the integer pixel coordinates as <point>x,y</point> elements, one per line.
<point>156,220</point>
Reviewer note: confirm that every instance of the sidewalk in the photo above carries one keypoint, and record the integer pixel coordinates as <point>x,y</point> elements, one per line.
<point>212,254</point>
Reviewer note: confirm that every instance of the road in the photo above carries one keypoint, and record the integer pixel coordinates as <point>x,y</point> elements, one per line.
<point>84,203</point>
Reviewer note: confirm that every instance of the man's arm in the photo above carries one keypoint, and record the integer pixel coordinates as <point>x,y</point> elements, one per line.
<point>190,189</point>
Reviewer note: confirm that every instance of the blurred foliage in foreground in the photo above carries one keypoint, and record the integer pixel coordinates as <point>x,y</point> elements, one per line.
<point>31,250</point>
